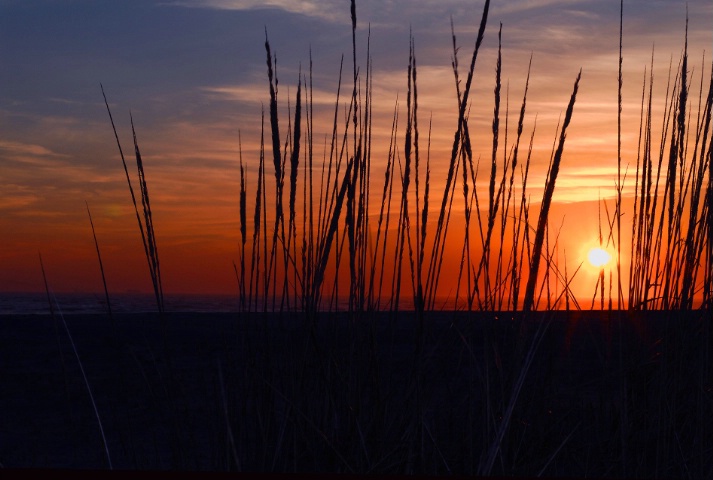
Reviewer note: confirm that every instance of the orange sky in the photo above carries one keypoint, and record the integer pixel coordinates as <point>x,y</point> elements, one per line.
<point>199,79</point>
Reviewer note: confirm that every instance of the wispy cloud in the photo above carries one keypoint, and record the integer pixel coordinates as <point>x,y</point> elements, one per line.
<point>519,6</point>
<point>331,11</point>
<point>17,149</point>
<point>16,197</point>
<point>258,93</point>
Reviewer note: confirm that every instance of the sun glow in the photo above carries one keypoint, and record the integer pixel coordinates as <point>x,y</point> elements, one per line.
<point>598,257</point>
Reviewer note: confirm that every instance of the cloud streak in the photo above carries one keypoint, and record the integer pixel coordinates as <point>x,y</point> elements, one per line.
<point>25,150</point>
<point>330,11</point>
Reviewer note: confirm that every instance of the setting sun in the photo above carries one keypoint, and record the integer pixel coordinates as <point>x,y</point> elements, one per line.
<point>598,257</point>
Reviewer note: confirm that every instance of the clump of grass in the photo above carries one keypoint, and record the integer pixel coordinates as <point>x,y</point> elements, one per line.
<point>546,201</point>
<point>148,237</point>
<point>670,253</point>
<point>461,135</point>
<point>345,190</point>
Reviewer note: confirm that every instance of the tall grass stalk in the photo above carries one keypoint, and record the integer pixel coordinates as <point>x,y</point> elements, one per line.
<point>404,232</point>
<point>255,251</point>
<point>243,226</point>
<point>546,201</point>
<point>101,268</point>
<point>278,232</point>
<point>515,273</point>
<point>294,168</point>
<point>492,200</point>
<point>385,204</point>
<point>148,236</point>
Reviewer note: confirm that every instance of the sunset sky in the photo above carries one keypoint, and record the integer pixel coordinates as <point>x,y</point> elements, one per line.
<point>193,74</point>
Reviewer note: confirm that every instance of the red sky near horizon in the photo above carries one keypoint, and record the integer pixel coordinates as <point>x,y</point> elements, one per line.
<point>194,77</point>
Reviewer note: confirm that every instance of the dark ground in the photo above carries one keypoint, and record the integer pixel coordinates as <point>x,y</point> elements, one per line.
<point>606,394</point>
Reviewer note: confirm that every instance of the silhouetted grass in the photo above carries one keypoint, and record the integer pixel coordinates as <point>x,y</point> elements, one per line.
<point>670,267</point>
<point>148,236</point>
<point>101,267</point>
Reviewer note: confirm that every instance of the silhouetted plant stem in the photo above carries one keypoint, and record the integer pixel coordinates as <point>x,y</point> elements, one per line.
<point>546,201</point>
<point>101,268</point>
<point>146,228</point>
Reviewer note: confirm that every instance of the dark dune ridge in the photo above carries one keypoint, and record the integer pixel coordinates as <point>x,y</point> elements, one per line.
<point>607,393</point>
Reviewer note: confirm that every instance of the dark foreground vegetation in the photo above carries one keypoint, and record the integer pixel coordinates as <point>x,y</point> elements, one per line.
<point>586,394</point>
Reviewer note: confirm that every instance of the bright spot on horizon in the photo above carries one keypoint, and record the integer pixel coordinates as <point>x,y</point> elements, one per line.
<point>598,257</point>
